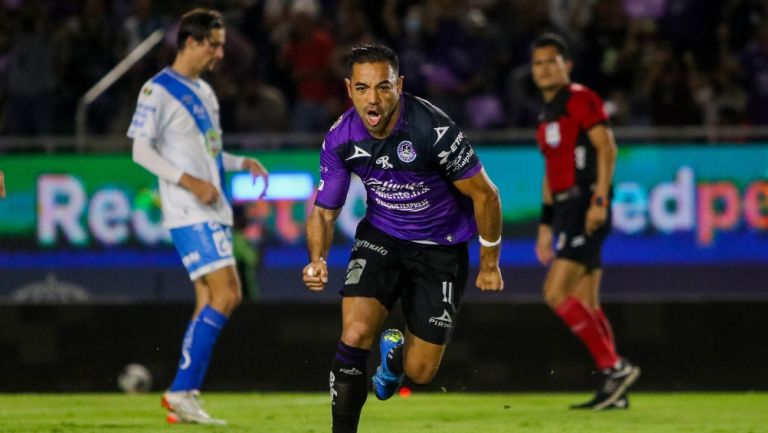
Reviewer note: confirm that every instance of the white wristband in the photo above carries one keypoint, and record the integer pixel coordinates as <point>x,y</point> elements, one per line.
<point>485,243</point>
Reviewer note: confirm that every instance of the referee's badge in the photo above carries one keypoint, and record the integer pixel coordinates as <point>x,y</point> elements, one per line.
<point>552,134</point>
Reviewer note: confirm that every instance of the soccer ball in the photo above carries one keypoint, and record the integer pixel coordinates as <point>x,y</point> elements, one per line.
<point>134,378</point>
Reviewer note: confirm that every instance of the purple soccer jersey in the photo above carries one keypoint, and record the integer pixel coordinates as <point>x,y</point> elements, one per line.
<point>407,176</point>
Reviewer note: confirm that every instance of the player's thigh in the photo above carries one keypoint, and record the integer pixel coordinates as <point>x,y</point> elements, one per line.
<point>433,291</point>
<point>421,359</point>
<point>374,267</point>
<point>570,238</point>
<point>362,318</point>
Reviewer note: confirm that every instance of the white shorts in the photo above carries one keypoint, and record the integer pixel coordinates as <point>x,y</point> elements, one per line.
<point>204,247</point>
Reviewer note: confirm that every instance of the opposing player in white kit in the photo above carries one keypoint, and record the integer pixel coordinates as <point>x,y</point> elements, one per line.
<point>177,136</point>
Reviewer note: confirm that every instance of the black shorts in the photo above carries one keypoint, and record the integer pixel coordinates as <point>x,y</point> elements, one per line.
<point>571,242</point>
<point>428,279</point>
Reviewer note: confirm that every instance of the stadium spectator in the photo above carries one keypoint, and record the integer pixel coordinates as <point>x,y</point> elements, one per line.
<point>580,156</point>
<point>416,166</point>
<point>177,137</point>
<point>308,56</point>
<point>260,107</point>
<point>754,64</point>
<point>30,80</point>
<point>87,48</point>
<point>611,38</point>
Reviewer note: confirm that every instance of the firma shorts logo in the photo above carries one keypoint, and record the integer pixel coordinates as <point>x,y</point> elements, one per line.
<point>443,321</point>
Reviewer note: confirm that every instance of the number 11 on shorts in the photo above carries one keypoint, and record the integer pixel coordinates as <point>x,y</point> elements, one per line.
<point>448,292</point>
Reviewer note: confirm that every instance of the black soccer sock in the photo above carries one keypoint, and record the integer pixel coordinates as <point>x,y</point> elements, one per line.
<point>395,360</point>
<point>349,387</point>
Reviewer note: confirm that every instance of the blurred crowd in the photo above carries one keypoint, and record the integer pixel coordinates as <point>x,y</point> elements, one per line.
<point>655,62</point>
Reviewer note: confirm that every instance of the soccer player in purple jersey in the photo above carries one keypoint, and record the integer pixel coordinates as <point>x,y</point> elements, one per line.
<point>427,195</point>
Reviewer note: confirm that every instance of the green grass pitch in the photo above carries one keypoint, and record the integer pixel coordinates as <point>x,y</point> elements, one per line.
<point>422,412</point>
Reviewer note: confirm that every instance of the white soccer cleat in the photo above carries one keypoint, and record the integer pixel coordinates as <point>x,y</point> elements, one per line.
<point>183,407</point>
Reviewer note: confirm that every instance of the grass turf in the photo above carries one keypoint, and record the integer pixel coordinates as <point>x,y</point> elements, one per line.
<point>422,412</point>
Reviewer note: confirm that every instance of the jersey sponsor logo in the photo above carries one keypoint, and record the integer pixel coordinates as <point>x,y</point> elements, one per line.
<point>354,271</point>
<point>461,159</point>
<point>406,152</point>
<point>406,207</point>
<point>442,321</point>
<point>455,145</point>
<point>361,243</point>
<point>384,161</point>
<point>359,153</point>
<point>396,191</point>
<point>552,134</point>
<point>440,131</point>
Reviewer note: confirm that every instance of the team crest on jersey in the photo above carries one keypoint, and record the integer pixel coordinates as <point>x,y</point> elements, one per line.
<point>213,141</point>
<point>406,152</point>
<point>552,134</point>
<point>146,91</point>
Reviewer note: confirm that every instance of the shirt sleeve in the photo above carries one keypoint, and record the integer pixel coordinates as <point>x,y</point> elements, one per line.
<point>454,156</point>
<point>146,118</point>
<point>232,162</point>
<point>588,109</point>
<point>334,180</point>
<point>145,154</point>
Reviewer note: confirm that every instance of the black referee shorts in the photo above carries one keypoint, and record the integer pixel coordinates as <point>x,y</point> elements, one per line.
<point>428,279</point>
<point>570,239</point>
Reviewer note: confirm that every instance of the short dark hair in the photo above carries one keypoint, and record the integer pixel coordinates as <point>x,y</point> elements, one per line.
<point>553,40</point>
<point>370,53</point>
<point>198,23</point>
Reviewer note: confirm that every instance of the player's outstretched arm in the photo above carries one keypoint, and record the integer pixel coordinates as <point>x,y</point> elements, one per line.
<point>257,170</point>
<point>253,165</point>
<point>487,205</point>
<point>319,237</point>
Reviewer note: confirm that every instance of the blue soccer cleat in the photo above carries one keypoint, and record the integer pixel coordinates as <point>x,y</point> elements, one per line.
<point>385,383</point>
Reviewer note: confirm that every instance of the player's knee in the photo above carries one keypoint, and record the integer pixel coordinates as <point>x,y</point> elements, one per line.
<point>553,297</point>
<point>421,373</point>
<point>358,334</point>
<point>227,300</point>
